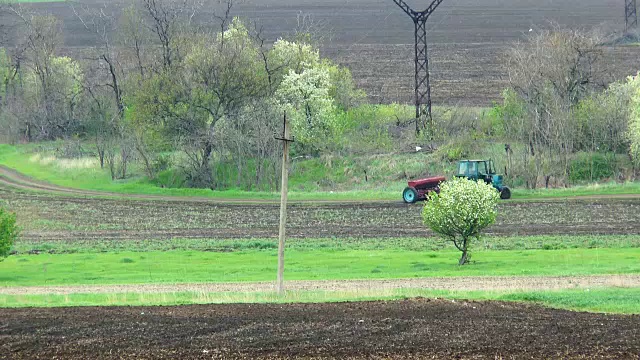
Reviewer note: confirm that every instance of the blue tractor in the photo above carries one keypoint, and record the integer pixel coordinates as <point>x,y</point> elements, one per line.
<point>483,170</point>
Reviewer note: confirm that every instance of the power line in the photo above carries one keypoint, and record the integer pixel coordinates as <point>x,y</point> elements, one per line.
<point>630,15</point>
<point>422,82</point>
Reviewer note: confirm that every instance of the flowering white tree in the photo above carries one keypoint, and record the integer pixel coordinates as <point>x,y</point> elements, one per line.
<point>305,97</point>
<point>461,210</point>
<point>287,55</point>
<point>634,122</point>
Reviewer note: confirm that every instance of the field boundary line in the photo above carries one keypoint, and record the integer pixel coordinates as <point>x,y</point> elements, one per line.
<point>12,179</point>
<point>474,283</point>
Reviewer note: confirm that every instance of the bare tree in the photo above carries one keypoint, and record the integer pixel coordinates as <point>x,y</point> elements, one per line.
<point>551,73</point>
<point>102,23</point>
<point>167,20</point>
<point>134,35</point>
<point>311,31</point>
<point>52,94</point>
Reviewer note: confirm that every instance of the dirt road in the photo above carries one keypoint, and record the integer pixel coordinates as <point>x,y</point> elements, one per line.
<point>12,179</point>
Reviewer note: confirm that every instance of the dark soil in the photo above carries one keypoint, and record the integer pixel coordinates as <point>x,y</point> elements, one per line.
<point>418,329</point>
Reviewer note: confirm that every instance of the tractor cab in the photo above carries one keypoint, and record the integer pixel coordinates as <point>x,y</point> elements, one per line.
<point>475,170</point>
<point>483,170</point>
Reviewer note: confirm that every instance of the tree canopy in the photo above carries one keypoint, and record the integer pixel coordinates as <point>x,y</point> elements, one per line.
<point>461,211</point>
<point>8,232</point>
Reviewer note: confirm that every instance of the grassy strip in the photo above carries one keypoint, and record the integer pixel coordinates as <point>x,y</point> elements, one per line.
<point>93,178</point>
<point>540,242</point>
<point>319,264</point>
<point>612,188</point>
<point>88,176</point>
<point>36,1</point>
<point>610,300</point>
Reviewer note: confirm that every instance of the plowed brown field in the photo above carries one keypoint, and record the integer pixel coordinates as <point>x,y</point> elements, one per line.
<point>58,213</point>
<point>412,329</point>
<point>47,217</point>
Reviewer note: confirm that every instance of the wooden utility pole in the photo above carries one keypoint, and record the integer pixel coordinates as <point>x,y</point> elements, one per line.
<point>283,202</point>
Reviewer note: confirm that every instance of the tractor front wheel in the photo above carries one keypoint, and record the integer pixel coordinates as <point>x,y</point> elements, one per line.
<point>505,193</point>
<point>410,195</point>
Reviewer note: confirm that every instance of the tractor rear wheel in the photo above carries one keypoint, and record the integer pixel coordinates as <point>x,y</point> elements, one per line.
<point>505,193</point>
<point>410,195</point>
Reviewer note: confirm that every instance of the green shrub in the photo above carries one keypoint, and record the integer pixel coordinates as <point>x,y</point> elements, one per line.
<point>494,122</point>
<point>455,153</point>
<point>370,129</point>
<point>592,166</point>
<point>511,109</point>
<point>170,178</point>
<point>458,149</point>
<point>162,162</point>
<point>8,232</point>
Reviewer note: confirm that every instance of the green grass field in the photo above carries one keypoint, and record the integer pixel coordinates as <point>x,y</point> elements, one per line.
<point>85,174</point>
<point>319,264</point>
<point>218,261</point>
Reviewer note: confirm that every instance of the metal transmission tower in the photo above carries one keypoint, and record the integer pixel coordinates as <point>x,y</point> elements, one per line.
<point>423,87</point>
<point>630,15</point>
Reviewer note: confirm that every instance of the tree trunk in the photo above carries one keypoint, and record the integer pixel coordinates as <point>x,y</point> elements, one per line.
<point>101,157</point>
<point>464,259</point>
<point>147,164</point>
<point>101,148</point>
<point>259,170</point>
<point>239,180</point>
<point>123,168</point>
<point>111,161</point>
<point>114,84</point>
<point>205,170</point>
<point>124,157</point>
<point>28,133</point>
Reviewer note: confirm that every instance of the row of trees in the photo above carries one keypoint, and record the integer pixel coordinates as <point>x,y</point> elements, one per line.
<point>157,82</point>
<point>162,90</point>
<point>560,103</point>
